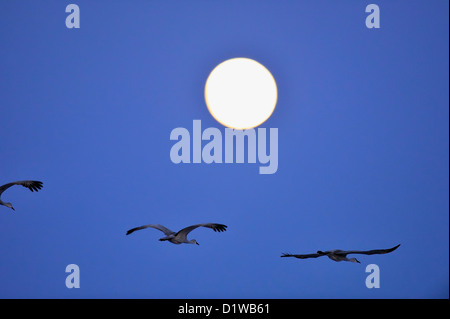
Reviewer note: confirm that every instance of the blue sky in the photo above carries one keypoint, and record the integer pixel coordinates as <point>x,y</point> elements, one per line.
<point>362,116</point>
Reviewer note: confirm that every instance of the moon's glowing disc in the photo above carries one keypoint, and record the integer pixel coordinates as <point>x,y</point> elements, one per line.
<point>241,93</point>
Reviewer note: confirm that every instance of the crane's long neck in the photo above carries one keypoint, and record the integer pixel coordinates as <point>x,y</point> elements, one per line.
<point>6,204</point>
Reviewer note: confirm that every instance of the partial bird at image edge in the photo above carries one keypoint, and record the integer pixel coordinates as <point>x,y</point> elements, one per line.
<point>33,186</point>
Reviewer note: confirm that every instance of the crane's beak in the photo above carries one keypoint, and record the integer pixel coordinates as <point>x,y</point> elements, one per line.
<point>13,208</point>
<point>197,243</point>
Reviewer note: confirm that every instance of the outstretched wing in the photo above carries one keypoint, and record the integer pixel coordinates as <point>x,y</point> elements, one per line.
<point>31,185</point>
<point>302,256</point>
<point>165,230</point>
<point>182,234</point>
<point>369,252</point>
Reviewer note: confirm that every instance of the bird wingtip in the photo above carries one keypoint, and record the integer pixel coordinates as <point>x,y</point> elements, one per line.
<point>220,228</point>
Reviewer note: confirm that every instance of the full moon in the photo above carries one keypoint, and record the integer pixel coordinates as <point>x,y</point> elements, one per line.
<point>241,93</point>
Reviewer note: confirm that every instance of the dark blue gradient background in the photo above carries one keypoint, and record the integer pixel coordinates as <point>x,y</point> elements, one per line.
<point>363,122</point>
